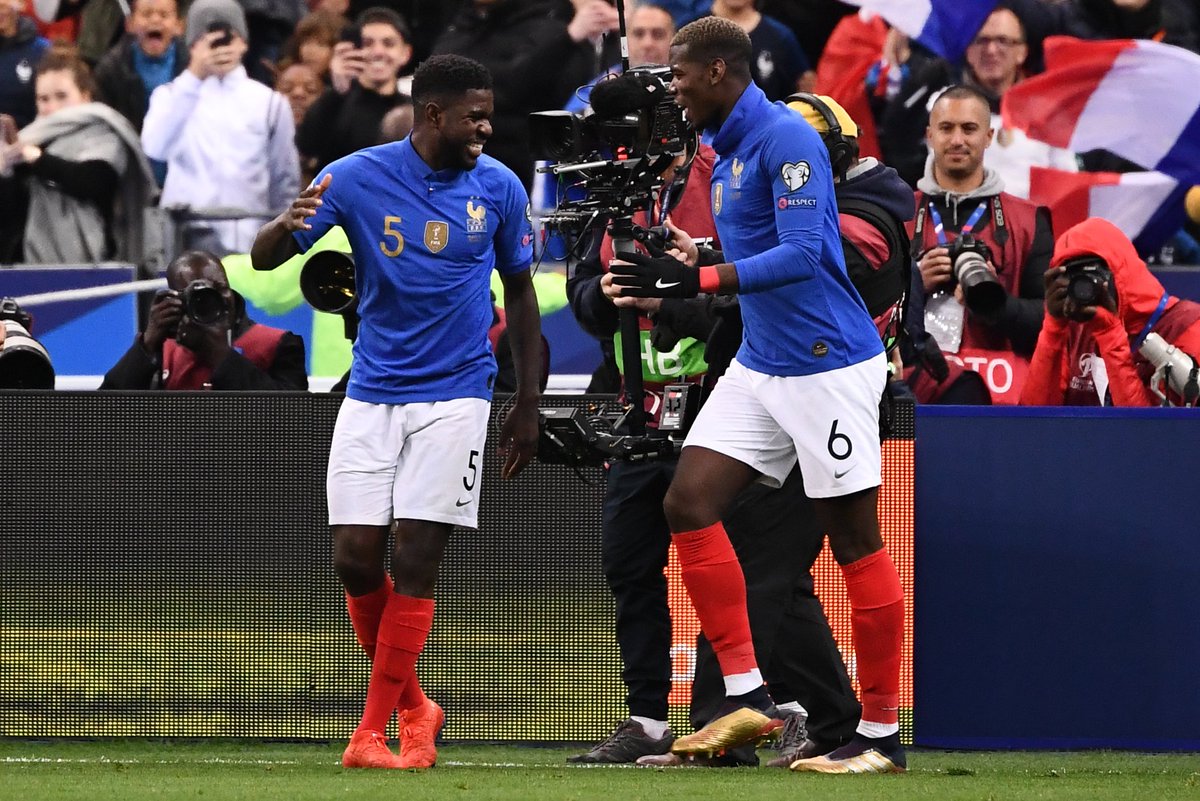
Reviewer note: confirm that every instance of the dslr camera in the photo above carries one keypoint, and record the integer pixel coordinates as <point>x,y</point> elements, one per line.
<point>1086,280</point>
<point>202,302</point>
<point>969,257</point>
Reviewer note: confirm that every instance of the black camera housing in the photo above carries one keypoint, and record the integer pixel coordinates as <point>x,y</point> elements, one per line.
<point>613,157</point>
<point>202,302</point>
<point>1086,280</point>
<point>11,310</point>
<point>969,258</point>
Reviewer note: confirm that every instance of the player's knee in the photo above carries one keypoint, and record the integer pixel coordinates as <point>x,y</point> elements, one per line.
<point>687,510</point>
<point>356,569</point>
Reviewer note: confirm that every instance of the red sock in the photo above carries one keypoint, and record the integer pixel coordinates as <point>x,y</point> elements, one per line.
<point>403,630</point>
<point>411,696</point>
<point>365,612</point>
<point>714,580</point>
<point>877,621</point>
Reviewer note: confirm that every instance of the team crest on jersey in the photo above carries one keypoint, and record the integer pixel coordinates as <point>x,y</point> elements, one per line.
<point>795,175</point>
<point>476,218</point>
<point>717,192</point>
<point>437,235</point>
<point>735,182</point>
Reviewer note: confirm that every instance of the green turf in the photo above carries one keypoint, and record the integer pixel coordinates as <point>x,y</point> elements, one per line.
<point>132,770</point>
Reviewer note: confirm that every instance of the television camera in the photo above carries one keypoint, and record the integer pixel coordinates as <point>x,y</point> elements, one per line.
<point>611,164</point>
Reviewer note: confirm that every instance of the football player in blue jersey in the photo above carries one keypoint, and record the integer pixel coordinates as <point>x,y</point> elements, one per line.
<point>428,219</point>
<point>805,386</point>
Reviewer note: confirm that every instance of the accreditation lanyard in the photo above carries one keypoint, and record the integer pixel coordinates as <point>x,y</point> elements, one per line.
<point>940,231</point>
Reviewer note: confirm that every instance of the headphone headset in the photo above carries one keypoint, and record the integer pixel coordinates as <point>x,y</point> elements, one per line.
<point>841,151</point>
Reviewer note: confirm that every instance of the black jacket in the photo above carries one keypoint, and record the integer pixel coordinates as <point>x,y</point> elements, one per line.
<point>119,84</point>
<point>137,369</point>
<point>338,124</point>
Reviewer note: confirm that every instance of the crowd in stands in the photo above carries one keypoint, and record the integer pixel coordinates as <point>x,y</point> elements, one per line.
<point>220,110</point>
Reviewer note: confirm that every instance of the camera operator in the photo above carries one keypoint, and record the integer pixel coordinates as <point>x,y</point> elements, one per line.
<point>984,314</point>
<point>1102,306</point>
<point>224,350</point>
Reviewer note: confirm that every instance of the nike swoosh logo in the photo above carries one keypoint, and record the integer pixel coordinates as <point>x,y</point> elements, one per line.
<point>660,285</point>
<point>836,474</point>
<point>462,503</point>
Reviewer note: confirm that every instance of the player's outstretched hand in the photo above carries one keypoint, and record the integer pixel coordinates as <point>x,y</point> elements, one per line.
<point>305,205</point>
<point>642,276</point>
<point>518,437</point>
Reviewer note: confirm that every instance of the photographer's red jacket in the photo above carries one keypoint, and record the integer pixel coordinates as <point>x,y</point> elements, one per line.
<point>1065,360</point>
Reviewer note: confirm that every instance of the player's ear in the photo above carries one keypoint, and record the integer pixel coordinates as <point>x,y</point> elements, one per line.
<point>716,70</point>
<point>433,113</point>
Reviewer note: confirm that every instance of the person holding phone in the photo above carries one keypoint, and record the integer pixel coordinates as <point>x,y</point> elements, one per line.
<point>226,138</point>
<point>364,73</point>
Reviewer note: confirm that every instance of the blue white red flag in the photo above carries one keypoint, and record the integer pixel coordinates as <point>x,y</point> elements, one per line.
<point>1147,206</point>
<point>1137,98</point>
<point>944,26</point>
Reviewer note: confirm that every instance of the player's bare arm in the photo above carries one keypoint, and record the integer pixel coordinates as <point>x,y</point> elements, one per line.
<point>275,244</point>
<point>519,433</point>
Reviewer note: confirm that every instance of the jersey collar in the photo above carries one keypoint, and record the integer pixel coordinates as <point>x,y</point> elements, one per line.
<point>748,112</point>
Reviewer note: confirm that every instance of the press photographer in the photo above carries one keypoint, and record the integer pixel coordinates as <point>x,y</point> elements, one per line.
<point>1112,336</point>
<point>198,337</point>
<point>981,252</point>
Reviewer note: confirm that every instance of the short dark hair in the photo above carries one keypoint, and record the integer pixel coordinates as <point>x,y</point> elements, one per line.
<point>379,14</point>
<point>709,38</point>
<point>195,260</point>
<point>448,75</point>
<point>65,58</point>
<point>962,91</point>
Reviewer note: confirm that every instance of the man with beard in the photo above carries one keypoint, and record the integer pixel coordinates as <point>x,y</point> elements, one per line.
<point>427,218</point>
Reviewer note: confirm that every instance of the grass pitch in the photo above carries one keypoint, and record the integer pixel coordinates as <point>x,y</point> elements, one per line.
<point>132,770</point>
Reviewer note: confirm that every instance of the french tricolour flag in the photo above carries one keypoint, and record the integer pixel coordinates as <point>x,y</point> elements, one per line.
<point>944,26</point>
<point>1146,206</point>
<point>1137,98</point>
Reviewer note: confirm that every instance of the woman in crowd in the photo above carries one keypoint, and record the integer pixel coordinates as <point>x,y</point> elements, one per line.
<point>76,173</point>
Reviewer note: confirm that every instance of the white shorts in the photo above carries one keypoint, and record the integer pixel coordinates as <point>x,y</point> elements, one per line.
<point>829,422</point>
<point>415,461</point>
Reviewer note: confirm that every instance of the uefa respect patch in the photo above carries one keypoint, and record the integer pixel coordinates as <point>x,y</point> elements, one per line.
<point>792,202</point>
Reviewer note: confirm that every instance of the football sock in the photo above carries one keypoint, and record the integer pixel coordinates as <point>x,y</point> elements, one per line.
<point>403,630</point>
<point>412,696</point>
<point>876,730</point>
<point>742,683</point>
<point>655,729</point>
<point>714,580</point>
<point>877,623</point>
<point>365,612</point>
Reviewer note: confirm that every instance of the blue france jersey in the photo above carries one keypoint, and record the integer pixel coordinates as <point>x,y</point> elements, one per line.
<point>773,202</point>
<point>425,243</point>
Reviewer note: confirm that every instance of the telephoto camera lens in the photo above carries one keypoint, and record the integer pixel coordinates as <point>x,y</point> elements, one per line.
<point>327,282</point>
<point>983,292</point>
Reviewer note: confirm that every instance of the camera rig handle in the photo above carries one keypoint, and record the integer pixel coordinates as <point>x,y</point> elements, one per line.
<point>622,233</point>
